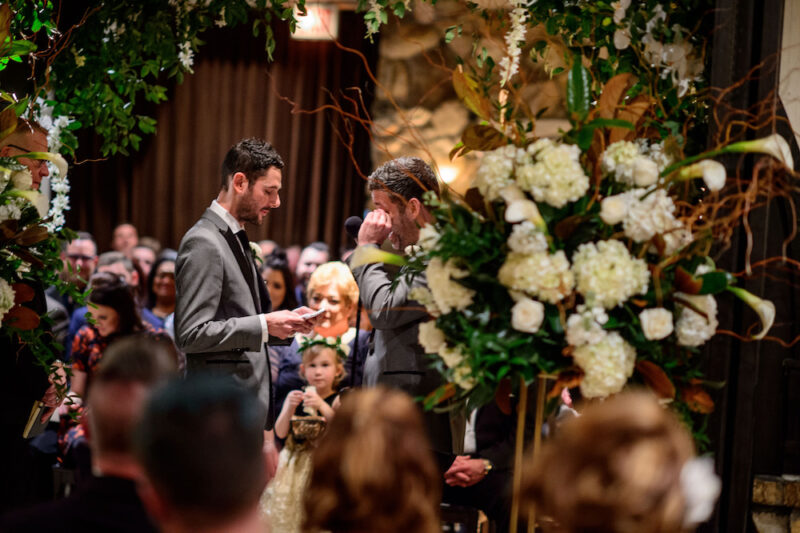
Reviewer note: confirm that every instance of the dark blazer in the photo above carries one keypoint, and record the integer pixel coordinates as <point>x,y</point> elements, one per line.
<point>219,299</point>
<point>103,504</point>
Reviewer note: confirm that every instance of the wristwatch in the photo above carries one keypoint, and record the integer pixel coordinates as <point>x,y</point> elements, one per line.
<point>487,466</point>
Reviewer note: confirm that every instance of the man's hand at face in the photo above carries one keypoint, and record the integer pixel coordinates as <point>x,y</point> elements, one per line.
<point>282,324</point>
<point>375,229</point>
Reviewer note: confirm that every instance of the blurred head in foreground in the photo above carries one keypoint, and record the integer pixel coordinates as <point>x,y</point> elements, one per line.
<point>200,444</point>
<point>625,465</point>
<point>373,470</point>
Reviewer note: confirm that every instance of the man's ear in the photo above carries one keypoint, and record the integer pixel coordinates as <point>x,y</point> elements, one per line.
<point>413,208</point>
<point>239,182</point>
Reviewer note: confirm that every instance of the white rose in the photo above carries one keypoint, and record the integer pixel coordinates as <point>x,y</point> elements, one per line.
<point>22,179</point>
<point>656,323</point>
<point>527,315</point>
<point>463,377</point>
<point>431,338</point>
<point>614,209</point>
<point>645,171</point>
<point>622,39</point>
<point>521,210</point>
<point>6,298</point>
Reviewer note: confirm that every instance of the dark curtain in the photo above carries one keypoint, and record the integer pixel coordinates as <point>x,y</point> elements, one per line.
<point>236,93</point>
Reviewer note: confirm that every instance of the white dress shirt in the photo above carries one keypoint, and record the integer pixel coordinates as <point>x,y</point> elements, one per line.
<point>235,227</point>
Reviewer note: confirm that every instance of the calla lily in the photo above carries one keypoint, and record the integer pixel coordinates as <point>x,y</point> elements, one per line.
<point>365,255</point>
<point>36,198</point>
<point>764,308</point>
<point>522,210</point>
<point>774,145</point>
<point>59,162</point>
<point>712,172</point>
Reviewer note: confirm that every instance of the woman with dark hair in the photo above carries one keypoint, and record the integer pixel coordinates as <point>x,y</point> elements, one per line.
<point>115,315</point>
<point>278,278</point>
<point>161,287</point>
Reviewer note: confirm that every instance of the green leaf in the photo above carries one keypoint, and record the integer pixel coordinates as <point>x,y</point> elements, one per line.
<point>578,89</point>
<point>714,282</point>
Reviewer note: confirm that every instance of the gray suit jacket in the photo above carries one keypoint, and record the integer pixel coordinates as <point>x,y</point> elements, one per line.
<point>397,359</point>
<point>217,322</point>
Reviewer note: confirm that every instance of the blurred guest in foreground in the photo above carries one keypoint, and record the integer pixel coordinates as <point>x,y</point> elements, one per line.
<point>373,470</point>
<point>625,465</point>
<point>200,444</point>
<point>131,370</point>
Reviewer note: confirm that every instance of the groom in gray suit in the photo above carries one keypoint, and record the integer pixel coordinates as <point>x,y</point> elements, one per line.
<point>222,312</point>
<point>397,359</point>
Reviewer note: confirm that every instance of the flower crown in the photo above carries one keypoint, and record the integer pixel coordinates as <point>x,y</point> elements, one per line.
<point>335,343</point>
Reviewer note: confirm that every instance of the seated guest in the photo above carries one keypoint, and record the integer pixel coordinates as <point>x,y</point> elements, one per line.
<point>128,374</point>
<point>80,260</point>
<point>161,287</point>
<point>151,242</point>
<point>143,258</point>
<point>267,247</point>
<point>116,316</point>
<point>115,263</point>
<point>278,279</point>
<point>373,470</point>
<point>124,239</point>
<point>310,258</point>
<point>200,444</point>
<point>331,287</point>
<point>624,465</point>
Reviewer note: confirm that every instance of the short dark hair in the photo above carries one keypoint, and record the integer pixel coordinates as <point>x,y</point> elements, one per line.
<point>200,444</point>
<point>252,157</point>
<point>404,178</point>
<point>277,261</point>
<point>80,236</point>
<point>110,290</point>
<point>135,360</point>
<point>112,258</point>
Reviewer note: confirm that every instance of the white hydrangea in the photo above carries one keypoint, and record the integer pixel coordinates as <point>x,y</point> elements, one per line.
<point>656,152</point>
<point>496,172</point>
<point>526,239</point>
<point>452,357</point>
<point>649,213</point>
<point>618,160</point>
<point>447,293</point>
<point>607,365</point>
<point>425,297</point>
<point>692,328</point>
<point>431,338</point>
<point>428,237</point>
<point>6,298</point>
<point>556,176</point>
<point>607,275</point>
<point>543,275</point>
<point>586,326</point>
<point>464,378</point>
<point>12,210</point>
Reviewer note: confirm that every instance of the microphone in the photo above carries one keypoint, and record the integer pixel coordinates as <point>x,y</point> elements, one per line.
<point>352,225</point>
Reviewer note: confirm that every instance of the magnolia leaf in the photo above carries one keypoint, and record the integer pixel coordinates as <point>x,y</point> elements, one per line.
<point>8,121</point>
<point>467,90</point>
<point>28,257</point>
<point>8,229</point>
<point>613,91</point>
<point>21,318</point>
<point>569,378</point>
<point>655,378</point>
<point>440,395</point>
<point>686,283</point>
<point>633,113</point>
<point>32,235</point>
<point>697,399</point>
<point>578,85</point>
<point>482,138</point>
<point>5,21</point>
<point>458,150</point>
<point>565,228</point>
<point>502,396</point>
<point>22,293</point>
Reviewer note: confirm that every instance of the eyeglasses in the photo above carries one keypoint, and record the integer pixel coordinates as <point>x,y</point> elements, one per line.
<point>36,162</point>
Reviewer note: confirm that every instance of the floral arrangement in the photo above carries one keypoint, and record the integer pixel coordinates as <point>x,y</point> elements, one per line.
<point>586,257</point>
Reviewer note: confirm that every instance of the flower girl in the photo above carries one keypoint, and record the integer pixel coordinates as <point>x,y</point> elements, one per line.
<point>302,421</point>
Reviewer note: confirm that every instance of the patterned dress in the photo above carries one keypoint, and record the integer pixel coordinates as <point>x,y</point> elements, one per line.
<point>282,501</point>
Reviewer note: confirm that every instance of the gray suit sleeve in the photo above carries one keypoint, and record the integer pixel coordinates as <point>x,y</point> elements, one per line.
<point>199,279</point>
<point>387,308</point>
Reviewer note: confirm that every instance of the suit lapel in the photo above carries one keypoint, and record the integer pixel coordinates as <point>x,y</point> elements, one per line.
<point>245,264</point>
